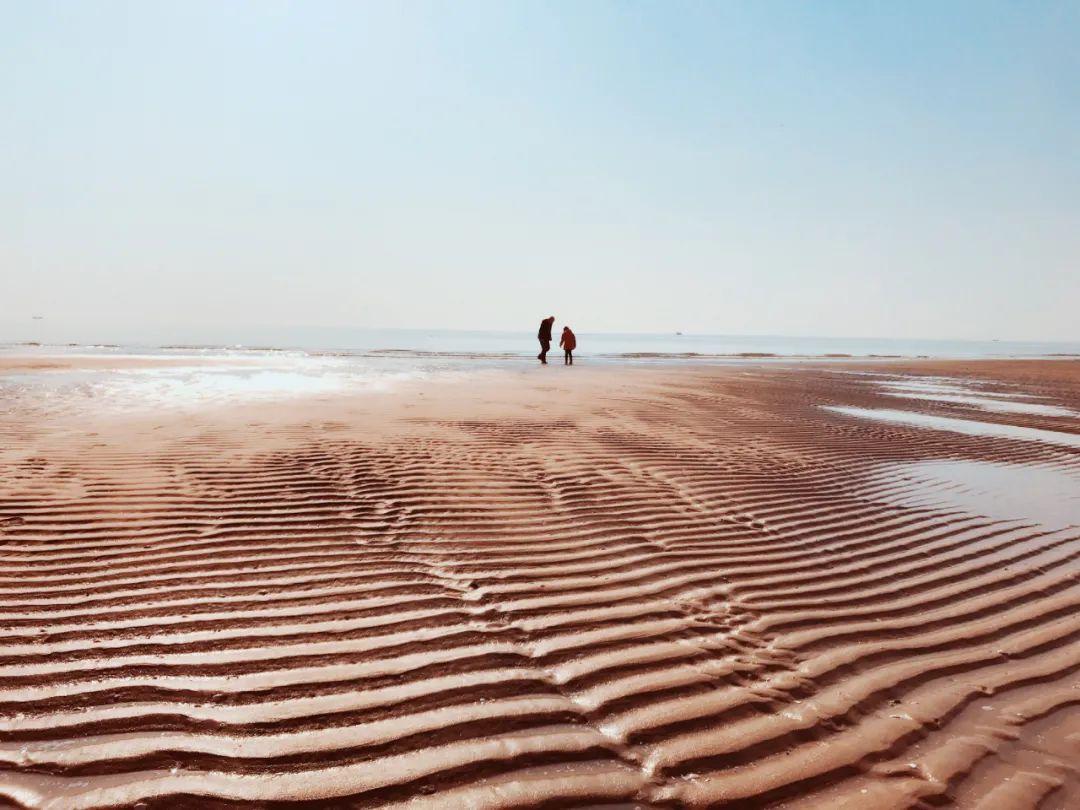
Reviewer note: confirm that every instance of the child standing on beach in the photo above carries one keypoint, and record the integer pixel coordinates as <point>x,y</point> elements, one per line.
<point>568,343</point>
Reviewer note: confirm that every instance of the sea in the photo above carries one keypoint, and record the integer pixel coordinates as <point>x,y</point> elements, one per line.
<point>219,368</point>
<point>504,345</point>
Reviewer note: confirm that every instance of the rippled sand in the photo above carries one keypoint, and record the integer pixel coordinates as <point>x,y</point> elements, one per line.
<point>549,588</point>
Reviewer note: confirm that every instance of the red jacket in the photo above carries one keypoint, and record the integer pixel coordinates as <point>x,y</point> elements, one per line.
<point>568,341</point>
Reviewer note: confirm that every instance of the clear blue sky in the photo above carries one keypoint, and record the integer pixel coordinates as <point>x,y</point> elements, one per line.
<point>832,168</point>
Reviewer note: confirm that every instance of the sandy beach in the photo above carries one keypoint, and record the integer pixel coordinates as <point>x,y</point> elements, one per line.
<point>795,585</point>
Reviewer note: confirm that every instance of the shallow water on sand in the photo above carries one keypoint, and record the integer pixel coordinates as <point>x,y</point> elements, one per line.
<point>969,427</point>
<point>947,385</point>
<point>989,404</point>
<point>1047,496</point>
<point>209,381</point>
<point>961,392</point>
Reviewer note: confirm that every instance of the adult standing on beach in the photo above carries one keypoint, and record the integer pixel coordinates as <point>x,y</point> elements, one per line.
<point>544,336</point>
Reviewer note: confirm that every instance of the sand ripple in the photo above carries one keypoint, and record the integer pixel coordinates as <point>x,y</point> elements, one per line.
<point>699,590</point>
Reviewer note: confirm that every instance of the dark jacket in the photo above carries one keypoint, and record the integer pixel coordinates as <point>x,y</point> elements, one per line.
<point>545,329</point>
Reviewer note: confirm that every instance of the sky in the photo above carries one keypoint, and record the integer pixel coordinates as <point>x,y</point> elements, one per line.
<point>871,169</point>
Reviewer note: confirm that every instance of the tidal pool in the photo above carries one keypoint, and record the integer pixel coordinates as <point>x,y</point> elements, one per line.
<point>970,427</point>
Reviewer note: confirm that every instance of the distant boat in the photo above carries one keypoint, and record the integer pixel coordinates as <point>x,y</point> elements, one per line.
<point>678,333</point>
<point>37,317</point>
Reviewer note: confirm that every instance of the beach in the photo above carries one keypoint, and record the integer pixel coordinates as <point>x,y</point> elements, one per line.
<point>747,584</point>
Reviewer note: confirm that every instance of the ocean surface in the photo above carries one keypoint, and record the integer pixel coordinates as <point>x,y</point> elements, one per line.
<point>510,345</point>
<point>323,362</point>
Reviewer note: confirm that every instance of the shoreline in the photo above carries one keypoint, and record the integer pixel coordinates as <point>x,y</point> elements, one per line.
<point>601,347</point>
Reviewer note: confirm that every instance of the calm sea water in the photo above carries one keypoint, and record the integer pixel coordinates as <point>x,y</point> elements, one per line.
<point>218,370</point>
<point>509,345</point>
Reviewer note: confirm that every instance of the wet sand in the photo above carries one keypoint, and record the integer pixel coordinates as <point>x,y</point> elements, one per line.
<point>90,362</point>
<point>649,587</point>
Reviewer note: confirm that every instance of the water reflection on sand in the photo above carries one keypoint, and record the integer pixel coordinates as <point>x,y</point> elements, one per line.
<point>969,427</point>
<point>988,404</point>
<point>1047,496</point>
<point>961,392</point>
<point>203,382</point>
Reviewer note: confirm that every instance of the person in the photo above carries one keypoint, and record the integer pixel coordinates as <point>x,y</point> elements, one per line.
<point>568,343</point>
<point>544,335</point>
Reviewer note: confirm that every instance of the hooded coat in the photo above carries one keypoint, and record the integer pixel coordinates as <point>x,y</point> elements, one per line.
<point>545,329</point>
